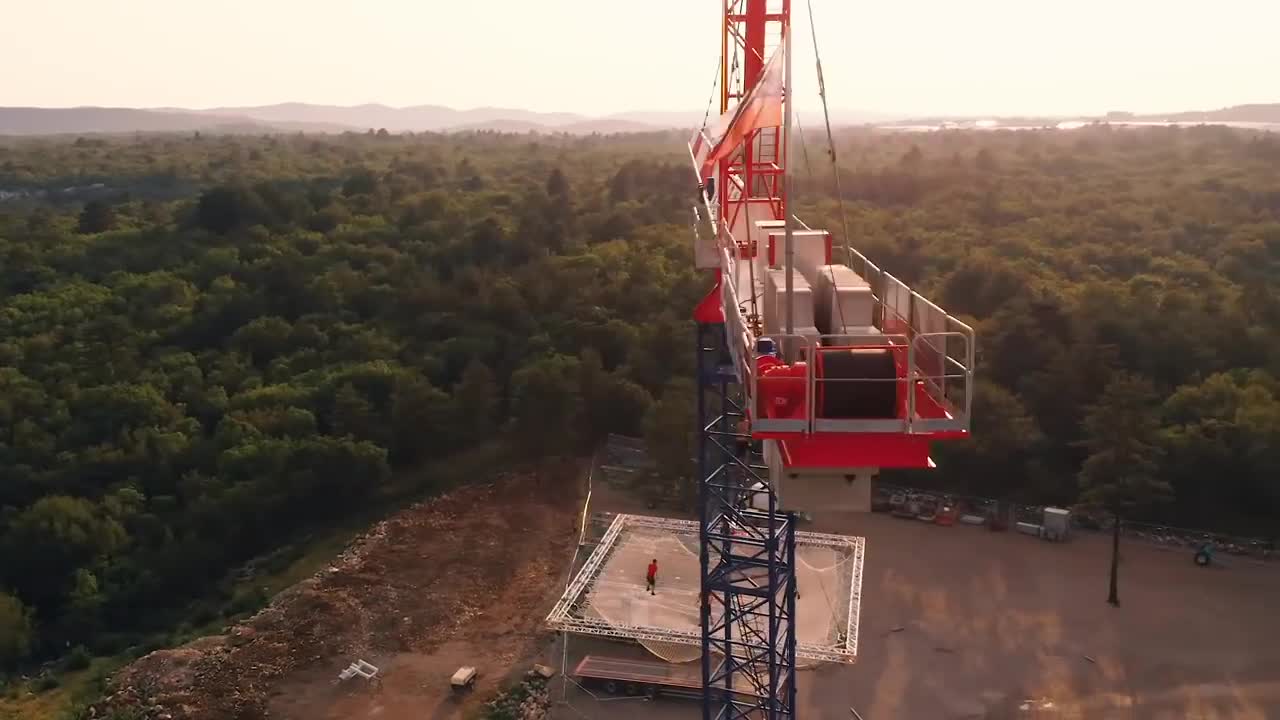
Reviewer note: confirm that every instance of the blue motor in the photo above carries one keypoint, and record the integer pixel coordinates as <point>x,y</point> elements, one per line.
<point>766,346</point>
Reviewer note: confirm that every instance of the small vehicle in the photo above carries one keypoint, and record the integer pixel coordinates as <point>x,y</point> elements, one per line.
<point>947,514</point>
<point>464,678</point>
<point>900,506</point>
<point>926,508</point>
<point>1204,554</point>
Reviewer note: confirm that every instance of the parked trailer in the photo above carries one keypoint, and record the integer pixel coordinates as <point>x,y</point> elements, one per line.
<point>640,677</point>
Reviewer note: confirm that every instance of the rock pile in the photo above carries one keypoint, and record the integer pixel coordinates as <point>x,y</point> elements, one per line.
<point>422,576</point>
<point>527,701</point>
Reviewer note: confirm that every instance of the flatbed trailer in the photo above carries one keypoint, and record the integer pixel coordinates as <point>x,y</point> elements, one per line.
<point>651,678</point>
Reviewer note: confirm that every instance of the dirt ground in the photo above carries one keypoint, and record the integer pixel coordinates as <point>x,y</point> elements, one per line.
<point>463,579</point>
<point>1000,625</point>
<point>957,622</point>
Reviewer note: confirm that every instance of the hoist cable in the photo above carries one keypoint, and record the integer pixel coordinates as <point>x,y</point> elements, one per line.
<point>831,145</point>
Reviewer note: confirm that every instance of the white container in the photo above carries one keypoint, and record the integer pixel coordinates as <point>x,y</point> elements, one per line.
<point>463,677</point>
<point>1057,523</point>
<point>842,298</point>
<point>775,302</point>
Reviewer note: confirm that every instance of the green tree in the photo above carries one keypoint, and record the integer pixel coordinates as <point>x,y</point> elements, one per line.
<point>51,540</point>
<point>998,460</point>
<point>363,182</point>
<point>96,217</point>
<point>671,438</point>
<point>352,413</point>
<point>16,631</point>
<point>611,403</point>
<point>84,605</point>
<point>263,339</point>
<point>1120,474</point>
<point>226,208</point>
<point>1227,428</point>
<point>545,403</point>
<point>475,404</point>
<point>419,418</point>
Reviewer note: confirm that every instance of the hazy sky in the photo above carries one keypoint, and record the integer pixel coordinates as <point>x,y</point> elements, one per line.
<point>601,56</point>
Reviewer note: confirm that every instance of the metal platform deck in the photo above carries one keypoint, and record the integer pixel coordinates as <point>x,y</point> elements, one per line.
<point>607,597</point>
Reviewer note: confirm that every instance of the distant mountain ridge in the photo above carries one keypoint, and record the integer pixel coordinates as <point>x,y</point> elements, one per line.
<point>438,118</point>
<point>305,117</point>
<point>1259,113</point>
<point>294,117</point>
<point>416,118</point>
<point>51,121</point>
<point>1255,112</point>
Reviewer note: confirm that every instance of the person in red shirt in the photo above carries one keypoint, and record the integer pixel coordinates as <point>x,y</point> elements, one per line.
<point>651,578</point>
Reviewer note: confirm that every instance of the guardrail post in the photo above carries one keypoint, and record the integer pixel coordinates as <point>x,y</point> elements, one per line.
<point>911,384</point>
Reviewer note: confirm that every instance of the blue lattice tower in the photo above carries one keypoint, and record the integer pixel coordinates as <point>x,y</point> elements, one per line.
<point>747,556</point>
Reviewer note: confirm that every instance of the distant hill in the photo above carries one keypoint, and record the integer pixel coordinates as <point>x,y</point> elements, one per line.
<point>651,120</point>
<point>87,120</point>
<point>602,126</point>
<point>296,117</point>
<point>1256,113</point>
<point>612,125</point>
<point>416,118</point>
<point>504,126</point>
<point>305,117</point>
<point>53,121</point>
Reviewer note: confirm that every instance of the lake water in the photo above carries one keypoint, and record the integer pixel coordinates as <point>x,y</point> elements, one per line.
<point>1074,125</point>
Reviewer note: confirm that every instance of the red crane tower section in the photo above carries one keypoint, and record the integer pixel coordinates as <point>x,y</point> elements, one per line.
<point>843,368</point>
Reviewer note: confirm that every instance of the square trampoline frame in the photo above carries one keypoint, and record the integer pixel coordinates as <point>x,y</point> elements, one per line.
<point>567,615</point>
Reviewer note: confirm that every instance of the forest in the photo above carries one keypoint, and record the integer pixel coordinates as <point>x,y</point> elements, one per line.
<point>213,345</point>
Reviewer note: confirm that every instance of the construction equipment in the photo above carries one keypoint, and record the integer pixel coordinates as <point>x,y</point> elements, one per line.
<point>1204,554</point>
<point>362,669</point>
<point>815,369</point>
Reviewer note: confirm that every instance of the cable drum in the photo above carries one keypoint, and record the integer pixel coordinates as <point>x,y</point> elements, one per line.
<point>857,383</point>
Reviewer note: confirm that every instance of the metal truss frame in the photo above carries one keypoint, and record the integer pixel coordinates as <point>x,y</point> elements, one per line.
<point>747,555</point>
<point>754,174</point>
<point>566,615</point>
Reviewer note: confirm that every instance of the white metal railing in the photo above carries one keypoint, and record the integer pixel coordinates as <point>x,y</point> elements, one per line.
<point>946,379</point>
<point>738,334</point>
<point>940,348</point>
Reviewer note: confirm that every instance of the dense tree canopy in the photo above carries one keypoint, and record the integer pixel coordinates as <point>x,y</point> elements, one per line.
<point>215,356</point>
<point>211,345</point>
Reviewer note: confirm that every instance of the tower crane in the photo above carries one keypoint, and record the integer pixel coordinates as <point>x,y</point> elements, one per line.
<point>815,370</point>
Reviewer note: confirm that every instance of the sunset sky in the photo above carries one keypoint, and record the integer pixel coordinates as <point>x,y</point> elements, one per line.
<point>603,56</point>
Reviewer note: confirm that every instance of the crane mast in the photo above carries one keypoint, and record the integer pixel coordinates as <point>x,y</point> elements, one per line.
<point>813,373</point>
<point>747,544</point>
